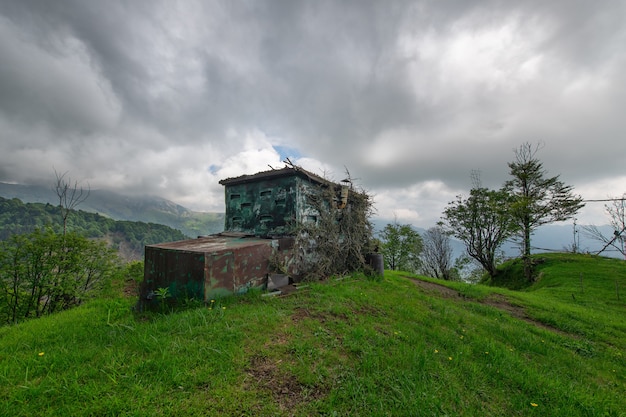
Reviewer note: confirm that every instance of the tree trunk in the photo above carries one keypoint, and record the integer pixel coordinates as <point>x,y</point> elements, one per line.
<point>528,266</point>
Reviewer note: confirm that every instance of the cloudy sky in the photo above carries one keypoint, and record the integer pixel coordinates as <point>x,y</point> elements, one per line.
<point>168,97</point>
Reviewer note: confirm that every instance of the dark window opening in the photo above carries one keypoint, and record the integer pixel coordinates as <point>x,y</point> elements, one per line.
<point>235,196</point>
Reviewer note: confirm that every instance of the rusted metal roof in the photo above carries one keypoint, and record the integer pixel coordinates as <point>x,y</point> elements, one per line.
<point>213,243</point>
<point>276,173</point>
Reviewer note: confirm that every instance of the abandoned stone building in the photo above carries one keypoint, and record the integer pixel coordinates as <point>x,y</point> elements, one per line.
<point>261,213</point>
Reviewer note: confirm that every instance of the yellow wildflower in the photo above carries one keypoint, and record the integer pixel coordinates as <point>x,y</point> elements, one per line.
<point>534,404</point>
<point>41,353</point>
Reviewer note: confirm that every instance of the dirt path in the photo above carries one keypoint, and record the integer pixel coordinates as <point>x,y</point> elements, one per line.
<point>495,300</point>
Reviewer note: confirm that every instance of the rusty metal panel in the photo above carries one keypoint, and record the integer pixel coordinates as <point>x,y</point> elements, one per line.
<point>237,269</point>
<point>177,270</point>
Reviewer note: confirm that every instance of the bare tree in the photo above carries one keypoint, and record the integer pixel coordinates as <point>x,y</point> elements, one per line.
<point>70,195</point>
<point>617,215</point>
<point>437,253</point>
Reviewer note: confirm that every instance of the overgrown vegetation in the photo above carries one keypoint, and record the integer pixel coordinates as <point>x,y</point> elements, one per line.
<point>355,346</point>
<point>340,239</point>
<point>44,272</point>
<point>45,269</point>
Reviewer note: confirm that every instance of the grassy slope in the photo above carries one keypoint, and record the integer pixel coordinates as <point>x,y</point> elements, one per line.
<point>346,347</point>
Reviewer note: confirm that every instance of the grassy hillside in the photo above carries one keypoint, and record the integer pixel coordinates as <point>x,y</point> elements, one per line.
<point>359,347</point>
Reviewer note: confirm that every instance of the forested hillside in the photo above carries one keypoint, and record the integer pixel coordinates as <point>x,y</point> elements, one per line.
<point>129,237</point>
<point>149,209</point>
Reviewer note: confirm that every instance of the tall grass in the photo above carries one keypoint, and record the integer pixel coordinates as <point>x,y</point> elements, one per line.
<point>343,347</point>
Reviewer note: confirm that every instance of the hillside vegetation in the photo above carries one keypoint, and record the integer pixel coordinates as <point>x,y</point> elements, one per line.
<point>128,237</point>
<point>402,345</point>
<point>147,209</point>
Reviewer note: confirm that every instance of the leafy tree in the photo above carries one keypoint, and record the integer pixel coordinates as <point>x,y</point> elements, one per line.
<point>537,199</point>
<point>482,222</point>
<point>401,247</point>
<point>468,270</point>
<point>43,272</point>
<point>436,255</point>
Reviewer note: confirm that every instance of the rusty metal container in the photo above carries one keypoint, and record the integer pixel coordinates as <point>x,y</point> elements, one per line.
<point>209,267</point>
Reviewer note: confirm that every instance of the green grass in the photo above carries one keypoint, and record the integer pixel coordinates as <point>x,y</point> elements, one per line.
<point>354,347</point>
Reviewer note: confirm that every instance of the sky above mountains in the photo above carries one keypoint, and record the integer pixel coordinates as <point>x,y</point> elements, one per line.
<point>167,98</point>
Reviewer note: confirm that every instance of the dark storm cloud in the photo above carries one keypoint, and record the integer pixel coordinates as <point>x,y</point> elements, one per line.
<point>411,96</point>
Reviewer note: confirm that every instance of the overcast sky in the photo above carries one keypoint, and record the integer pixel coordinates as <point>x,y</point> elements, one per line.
<point>169,97</point>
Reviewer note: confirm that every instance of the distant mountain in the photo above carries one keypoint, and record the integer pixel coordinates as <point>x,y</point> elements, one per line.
<point>149,209</point>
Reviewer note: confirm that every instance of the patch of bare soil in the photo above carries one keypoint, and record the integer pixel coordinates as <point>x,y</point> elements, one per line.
<point>131,288</point>
<point>284,389</point>
<point>436,289</point>
<point>299,314</point>
<point>495,300</point>
<point>321,316</point>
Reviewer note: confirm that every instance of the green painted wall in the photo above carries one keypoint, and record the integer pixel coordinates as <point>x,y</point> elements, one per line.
<point>267,207</point>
